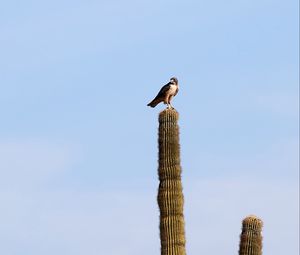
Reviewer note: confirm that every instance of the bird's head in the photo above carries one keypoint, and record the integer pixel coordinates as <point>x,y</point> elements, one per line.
<point>174,80</point>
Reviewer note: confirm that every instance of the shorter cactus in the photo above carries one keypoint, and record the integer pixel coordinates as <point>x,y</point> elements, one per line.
<point>251,238</point>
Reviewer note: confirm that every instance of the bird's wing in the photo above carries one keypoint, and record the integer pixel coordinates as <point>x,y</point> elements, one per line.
<point>163,90</point>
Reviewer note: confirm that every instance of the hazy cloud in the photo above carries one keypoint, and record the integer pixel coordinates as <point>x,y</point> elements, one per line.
<point>27,163</point>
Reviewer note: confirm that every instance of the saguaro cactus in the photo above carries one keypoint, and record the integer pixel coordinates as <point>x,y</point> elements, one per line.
<point>170,196</point>
<point>251,239</point>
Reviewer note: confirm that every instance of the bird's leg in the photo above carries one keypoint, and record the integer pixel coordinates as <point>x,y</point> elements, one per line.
<point>169,102</point>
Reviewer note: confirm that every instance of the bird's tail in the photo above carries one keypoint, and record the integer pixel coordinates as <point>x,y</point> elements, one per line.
<point>154,103</point>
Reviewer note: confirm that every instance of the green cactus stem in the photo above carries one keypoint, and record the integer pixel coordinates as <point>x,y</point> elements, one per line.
<point>251,238</point>
<point>170,196</point>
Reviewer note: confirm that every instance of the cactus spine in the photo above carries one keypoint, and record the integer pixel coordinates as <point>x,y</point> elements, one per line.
<point>170,196</point>
<point>251,239</point>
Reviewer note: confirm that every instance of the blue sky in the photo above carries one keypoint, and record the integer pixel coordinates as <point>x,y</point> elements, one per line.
<point>78,146</point>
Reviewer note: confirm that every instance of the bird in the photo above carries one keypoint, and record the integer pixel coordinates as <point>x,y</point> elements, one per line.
<point>166,93</point>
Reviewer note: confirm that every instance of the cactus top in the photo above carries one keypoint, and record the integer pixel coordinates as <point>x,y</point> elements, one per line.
<point>168,115</point>
<point>253,220</point>
<point>252,223</point>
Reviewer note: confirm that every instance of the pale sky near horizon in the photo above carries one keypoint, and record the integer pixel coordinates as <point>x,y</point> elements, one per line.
<point>78,145</point>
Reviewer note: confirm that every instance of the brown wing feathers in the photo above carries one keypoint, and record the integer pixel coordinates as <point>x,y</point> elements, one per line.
<point>155,102</point>
<point>160,96</point>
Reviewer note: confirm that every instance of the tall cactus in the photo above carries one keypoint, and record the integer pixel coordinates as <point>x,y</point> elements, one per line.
<point>170,196</point>
<point>251,239</point>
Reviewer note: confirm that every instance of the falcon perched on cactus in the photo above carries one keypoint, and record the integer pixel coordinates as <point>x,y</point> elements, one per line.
<point>166,93</point>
